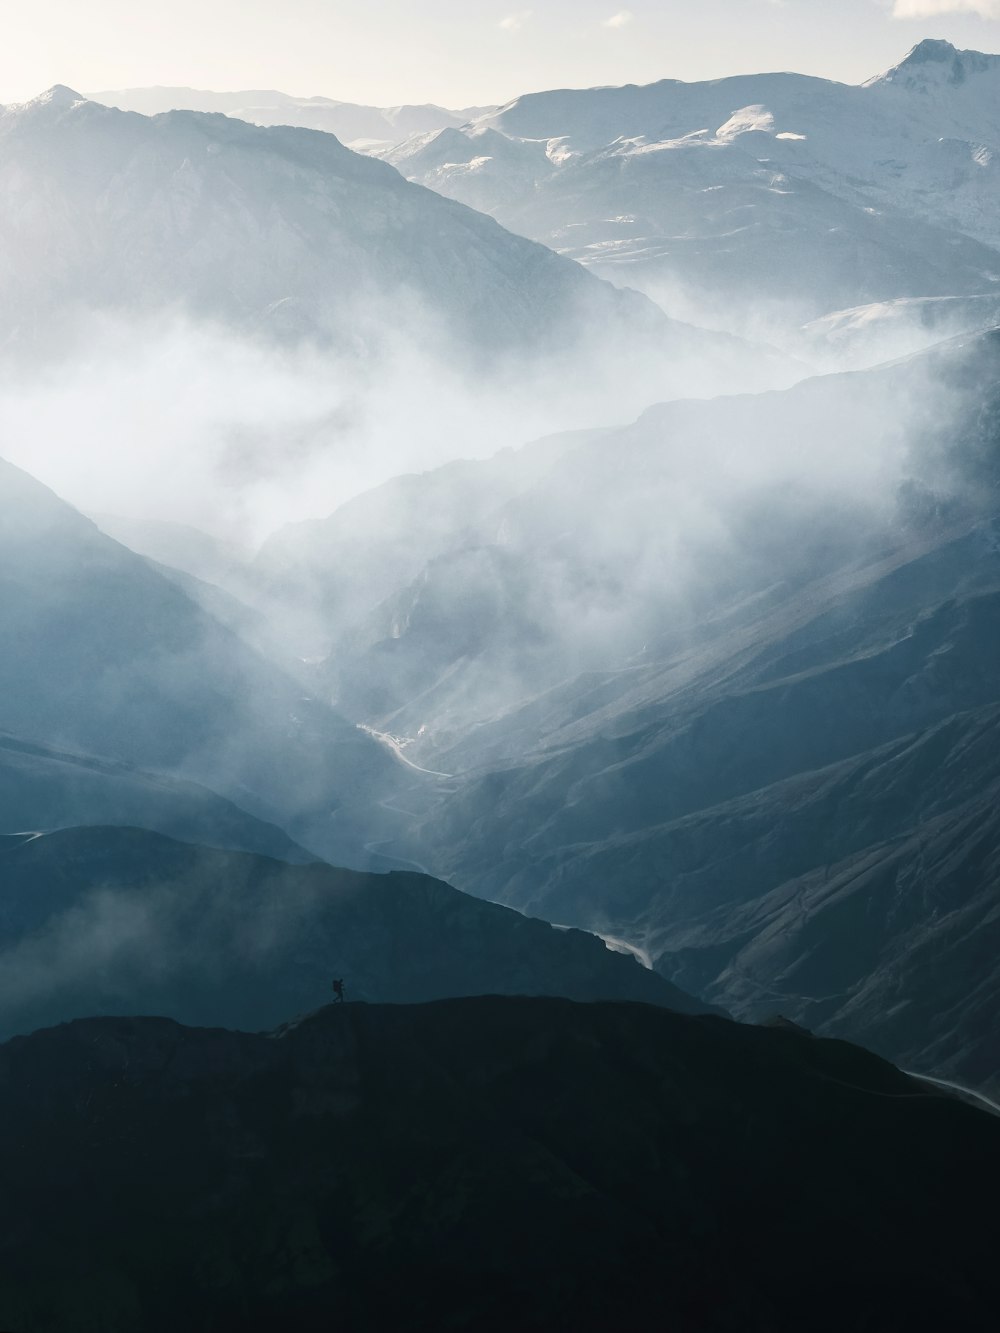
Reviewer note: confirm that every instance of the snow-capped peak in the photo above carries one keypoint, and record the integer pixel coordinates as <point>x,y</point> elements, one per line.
<point>58,96</point>
<point>53,102</point>
<point>935,63</point>
<point>47,107</point>
<point>931,51</point>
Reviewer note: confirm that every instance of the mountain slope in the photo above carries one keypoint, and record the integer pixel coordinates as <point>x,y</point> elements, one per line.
<point>123,921</point>
<point>920,909</point>
<point>747,811</point>
<point>42,788</point>
<point>528,1163</point>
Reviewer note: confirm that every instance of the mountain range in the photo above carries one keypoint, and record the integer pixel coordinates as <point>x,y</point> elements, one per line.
<point>639,781</point>
<point>137,213</point>
<point>586,678</point>
<point>759,202</point>
<point>352,124</point>
<point>284,235</point>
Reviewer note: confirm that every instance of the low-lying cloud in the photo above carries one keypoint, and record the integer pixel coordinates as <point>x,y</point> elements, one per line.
<point>924,9</point>
<point>515,22</point>
<point>171,418</point>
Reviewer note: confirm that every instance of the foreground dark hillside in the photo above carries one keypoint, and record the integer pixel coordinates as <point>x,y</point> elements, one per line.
<point>487,1165</point>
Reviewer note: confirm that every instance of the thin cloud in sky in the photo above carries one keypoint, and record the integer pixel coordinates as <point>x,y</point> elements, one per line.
<point>619,20</point>
<point>926,9</point>
<point>515,22</point>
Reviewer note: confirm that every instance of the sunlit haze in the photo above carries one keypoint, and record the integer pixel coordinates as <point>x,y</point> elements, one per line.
<point>456,53</point>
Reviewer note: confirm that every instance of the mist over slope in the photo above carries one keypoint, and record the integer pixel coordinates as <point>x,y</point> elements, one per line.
<point>105,655</point>
<point>692,678</point>
<point>282,322</point>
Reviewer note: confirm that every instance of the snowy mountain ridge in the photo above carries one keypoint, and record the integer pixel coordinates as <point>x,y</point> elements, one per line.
<point>758,187</point>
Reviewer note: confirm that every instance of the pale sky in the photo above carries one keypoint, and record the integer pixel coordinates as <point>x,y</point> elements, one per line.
<point>460,52</point>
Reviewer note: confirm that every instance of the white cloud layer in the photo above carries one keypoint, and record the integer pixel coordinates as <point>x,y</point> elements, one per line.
<point>926,9</point>
<point>619,20</point>
<point>515,22</point>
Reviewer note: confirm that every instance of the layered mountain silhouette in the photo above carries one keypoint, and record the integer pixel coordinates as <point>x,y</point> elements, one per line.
<point>528,1163</point>
<point>124,921</point>
<point>348,121</point>
<point>678,739</point>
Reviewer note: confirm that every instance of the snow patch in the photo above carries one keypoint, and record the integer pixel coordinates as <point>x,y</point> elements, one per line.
<point>747,120</point>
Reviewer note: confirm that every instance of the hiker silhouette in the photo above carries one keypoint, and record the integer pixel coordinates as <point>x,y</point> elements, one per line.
<point>338,991</point>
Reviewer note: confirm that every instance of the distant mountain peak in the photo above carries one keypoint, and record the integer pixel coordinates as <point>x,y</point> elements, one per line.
<point>931,50</point>
<point>935,62</point>
<point>52,103</point>
<point>58,96</point>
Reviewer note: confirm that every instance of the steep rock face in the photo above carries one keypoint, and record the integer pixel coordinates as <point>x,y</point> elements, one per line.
<point>859,899</point>
<point>509,1162</point>
<point>896,944</point>
<point>113,920</point>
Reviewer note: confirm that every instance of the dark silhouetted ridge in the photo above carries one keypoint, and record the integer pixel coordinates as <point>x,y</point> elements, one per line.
<point>485,1165</point>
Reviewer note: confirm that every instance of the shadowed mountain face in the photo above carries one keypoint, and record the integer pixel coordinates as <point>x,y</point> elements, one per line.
<point>42,788</point>
<point>510,1163</point>
<point>121,921</point>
